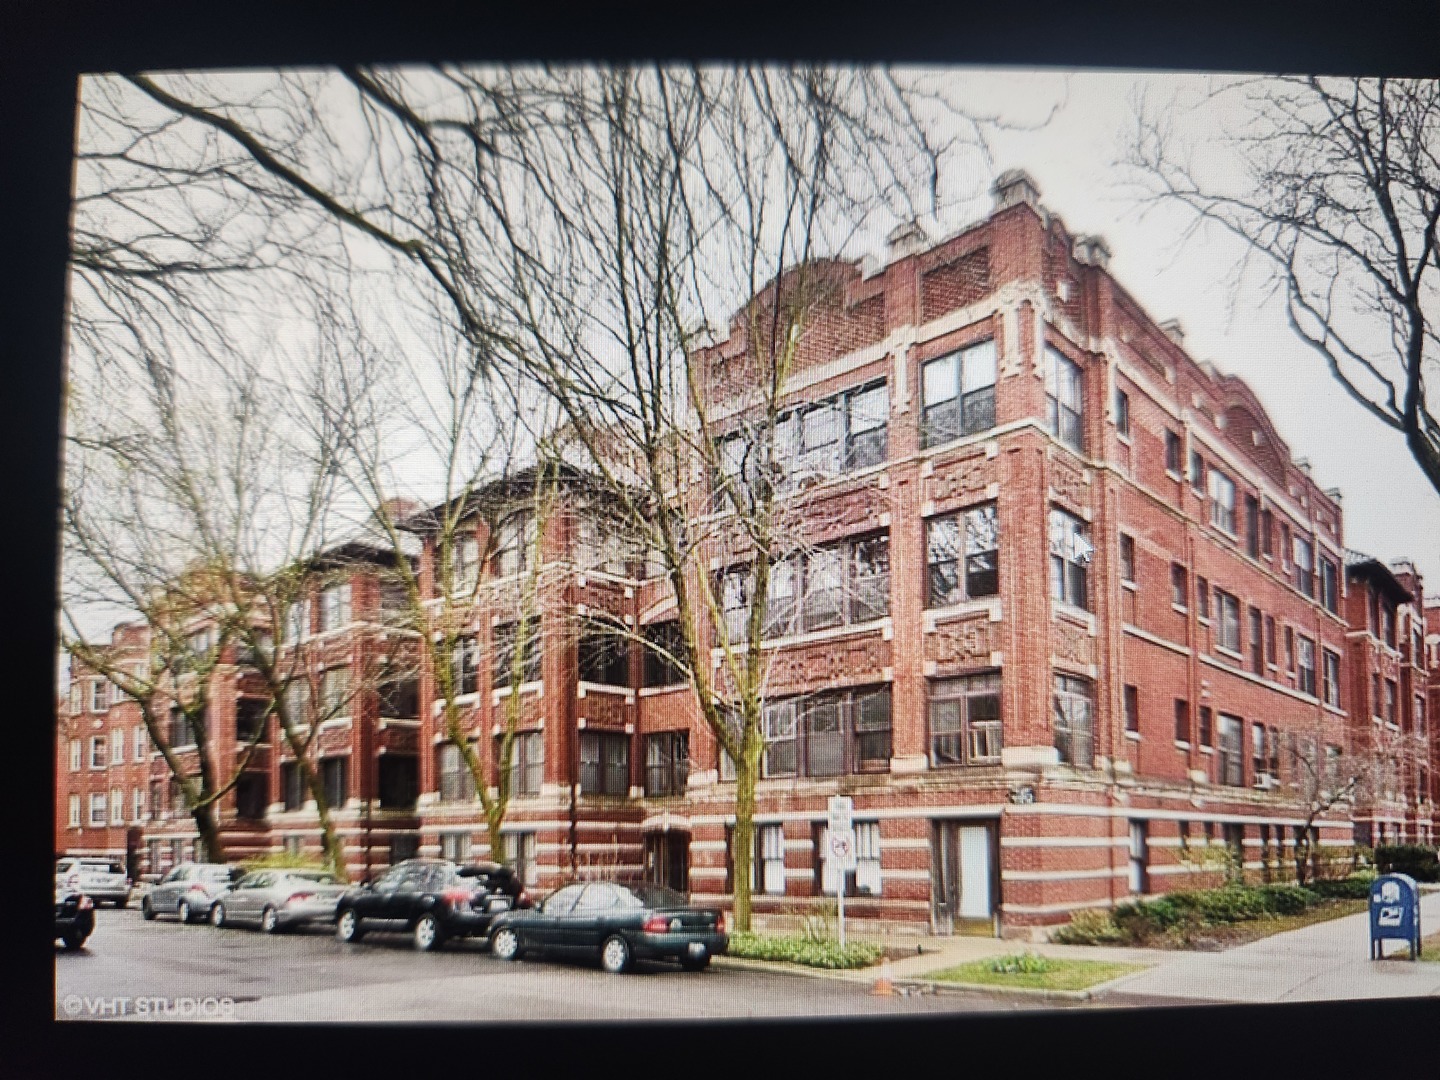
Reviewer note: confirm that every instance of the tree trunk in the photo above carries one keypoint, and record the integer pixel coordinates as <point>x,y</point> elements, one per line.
<point>329,842</point>
<point>209,829</point>
<point>743,840</point>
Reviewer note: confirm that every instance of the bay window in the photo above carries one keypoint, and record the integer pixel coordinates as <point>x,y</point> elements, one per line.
<point>604,763</point>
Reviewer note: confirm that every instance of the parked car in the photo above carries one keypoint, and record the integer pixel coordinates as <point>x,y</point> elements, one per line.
<point>617,922</point>
<point>276,900</point>
<point>432,899</point>
<point>99,879</point>
<point>74,916</point>
<point>188,891</point>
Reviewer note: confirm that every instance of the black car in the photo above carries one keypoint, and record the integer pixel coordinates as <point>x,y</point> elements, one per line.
<point>74,917</point>
<point>617,922</point>
<point>432,899</point>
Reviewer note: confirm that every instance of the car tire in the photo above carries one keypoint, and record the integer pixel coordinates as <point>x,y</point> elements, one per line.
<point>270,920</point>
<point>184,912</point>
<point>73,940</point>
<point>217,916</point>
<point>505,944</point>
<point>347,926</point>
<point>428,933</point>
<point>146,911</point>
<point>615,955</point>
<point>690,963</point>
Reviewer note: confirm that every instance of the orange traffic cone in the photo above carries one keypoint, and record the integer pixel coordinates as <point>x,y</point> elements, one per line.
<point>883,984</point>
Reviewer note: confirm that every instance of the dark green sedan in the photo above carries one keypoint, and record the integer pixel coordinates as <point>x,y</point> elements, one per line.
<point>617,922</point>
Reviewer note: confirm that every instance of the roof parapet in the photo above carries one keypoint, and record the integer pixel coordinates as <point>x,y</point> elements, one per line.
<point>1015,186</point>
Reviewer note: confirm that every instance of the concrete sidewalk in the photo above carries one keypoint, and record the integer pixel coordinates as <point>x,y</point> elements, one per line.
<point>1325,962</point>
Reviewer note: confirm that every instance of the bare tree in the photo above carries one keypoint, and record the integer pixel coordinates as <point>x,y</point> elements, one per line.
<point>1339,199</point>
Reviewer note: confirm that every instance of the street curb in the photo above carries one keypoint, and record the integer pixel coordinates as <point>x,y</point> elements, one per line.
<point>781,967</point>
<point>931,986</point>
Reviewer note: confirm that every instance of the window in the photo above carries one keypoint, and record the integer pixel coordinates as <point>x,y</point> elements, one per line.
<point>667,763</point>
<point>1232,765</point>
<point>75,811</point>
<point>335,692</point>
<point>1227,629</point>
<point>604,763</point>
<point>1222,501</point>
<point>1127,558</point>
<point>75,754</point>
<point>1267,533</point>
<point>865,880</point>
<point>1132,709</point>
<point>1070,553</point>
<point>869,723</point>
<point>335,775</point>
<point>455,846</point>
<point>252,795</point>
<point>514,541</point>
<point>1122,412</point>
<point>778,726</point>
<point>457,783</point>
<point>399,699</point>
<point>604,656</point>
<point>959,394</point>
<point>664,654</point>
<point>520,856</point>
<point>527,762</point>
<point>97,809</point>
<point>965,724</point>
<point>1202,598</point>
<point>1172,452</point>
<point>1197,472</point>
<point>1332,678</point>
<point>1074,720</point>
<point>335,607</point>
<point>1182,721</point>
<point>117,806</point>
<point>823,605</point>
<point>867,419</point>
<point>1257,641</point>
<point>1179,586</point>
<point>1064,398</point>
<point>1304,566</point>
<point>137,804</point>
<point>1387,624</point>
<point>737,589</point>
<point>1272,746</point>
<point>870,578</point>
<point>1391,697</point>
<point>297,619</point>
<point>1290,648</point>
<point>464,564</point>
<point>506,642</point>
<point>846,583</point>
<point>117,748</point>
<point>962,555</point>
<point>1270,656</point>
<point>1376,709</point>
<point>1252,526</point>
<point>292,785</point>
<point>1419,715</point>
<point>140,739</point>
<point>1207,733</point>
<point>76,698</point>
<point>1330,585</point>
<point>1259,758</point>
<point>782,599</point>
<point>249,719</point>
<point>1305,660</point>
<point>1139,878</point>
<point>465,666</point>
<point>770,861</point>
<point>97,751</point>
<point>600,545</point>
<point>99,695</point>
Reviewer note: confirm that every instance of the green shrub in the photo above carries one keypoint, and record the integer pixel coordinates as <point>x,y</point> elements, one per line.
<point>1286,899</point>
<point>1420,862</point>
<point>1141,919</point>
<point>1026,963</point>
<point>283,860</point>
<point>799,950</point>
<point>1091,926</point>
<point>1351,888</point>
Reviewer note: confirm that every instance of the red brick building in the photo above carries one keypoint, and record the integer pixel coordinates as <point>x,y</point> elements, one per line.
<point>1068,613</point>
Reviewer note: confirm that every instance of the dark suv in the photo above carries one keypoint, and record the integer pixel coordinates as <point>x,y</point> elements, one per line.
<point>432,899</point>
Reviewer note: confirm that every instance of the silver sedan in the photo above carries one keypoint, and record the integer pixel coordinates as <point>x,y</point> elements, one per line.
<point>276,900</point>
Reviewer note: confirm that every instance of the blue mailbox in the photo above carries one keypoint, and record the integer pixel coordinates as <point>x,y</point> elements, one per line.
<point>1394,913</point>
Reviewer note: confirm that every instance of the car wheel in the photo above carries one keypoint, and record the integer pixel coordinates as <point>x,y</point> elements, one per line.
<point>270,920</point>
<point>217,915</point>
<point>428,935</point>
<point>184,911</point>
<point>74,940</point>
<point>347,927</point>
<point>146,911</point>
<point>695,963</point>
<point>615,954</point>
<point>505,943</point>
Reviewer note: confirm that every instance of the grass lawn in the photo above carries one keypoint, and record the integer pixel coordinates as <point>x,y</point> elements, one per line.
<point>1059,974</point>
<point>1430,948</point>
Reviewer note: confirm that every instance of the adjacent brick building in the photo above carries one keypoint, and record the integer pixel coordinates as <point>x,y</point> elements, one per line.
<point>1067,612</point>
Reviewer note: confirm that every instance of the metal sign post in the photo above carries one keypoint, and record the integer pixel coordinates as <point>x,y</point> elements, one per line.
<point>840,833</point>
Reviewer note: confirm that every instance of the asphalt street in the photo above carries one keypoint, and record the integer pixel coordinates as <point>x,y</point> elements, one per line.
<point>131,969</point>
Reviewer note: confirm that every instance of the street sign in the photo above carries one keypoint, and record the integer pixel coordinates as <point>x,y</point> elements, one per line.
<point>842,813</point>
<point>841,844</point>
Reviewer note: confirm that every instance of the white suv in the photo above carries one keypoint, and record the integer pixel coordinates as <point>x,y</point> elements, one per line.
<point>99,879</point>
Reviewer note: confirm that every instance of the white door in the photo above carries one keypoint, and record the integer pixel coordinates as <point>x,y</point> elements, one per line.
<point>975,872</point>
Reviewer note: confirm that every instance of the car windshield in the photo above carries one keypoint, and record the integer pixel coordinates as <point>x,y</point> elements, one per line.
<point>651,896</point>
<point>101,868</point>
<point>319,877</point>
<point>213,873</point>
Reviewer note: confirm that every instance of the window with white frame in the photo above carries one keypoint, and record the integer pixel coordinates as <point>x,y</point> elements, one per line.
<point>514,544</point>
<point>959,393</point>
<point>74,811</point>
<point>1304,566</point>
<point>527,762</point>
<point>455,846</point>
<point>335,687</point>
<point>965,724</point>
<point>1074,720</point>
<point>140,738</point>
<point>1330,585</point>
<point>1122,412</point>
<point>1227,621</point>
<point>1232,762</point>
<point>1332,678</point>
<point>76,698</point>
<point>604,763</point>
<point>963,556</point>
<point>1222,501</point>
<point>464,564</point>
<point>117,747</point>
<point>1070,554</point>
<point>137,804</point>
<point>97,751</point>
<point>771,861</point>
<point>117,806</point>
<point>457,783</point>
<point>778,724</point>
<point>75,755</point>
<point>1305,663</point>
<point>865,879</point>
<point>99,695</point>
<point>1064,398</point>
<point>737,588</point>
<point>297,619</point>
<point>97,809</point>
<point>520,855</point>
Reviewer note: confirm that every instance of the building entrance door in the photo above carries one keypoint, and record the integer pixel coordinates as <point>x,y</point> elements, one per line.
<point>667,859</point>
<point>962,877</point>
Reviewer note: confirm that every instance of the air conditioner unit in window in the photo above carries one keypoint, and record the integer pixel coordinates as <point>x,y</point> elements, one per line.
<point>1265,783</point>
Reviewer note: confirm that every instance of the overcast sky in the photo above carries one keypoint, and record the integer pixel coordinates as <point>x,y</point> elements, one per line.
<point>1390,509</point>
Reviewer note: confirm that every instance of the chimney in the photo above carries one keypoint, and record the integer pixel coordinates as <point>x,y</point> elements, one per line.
<point>1015,186</point>
<point>1092,251</point>
<point>1173,331</point>
<point>907,238</point>
<point>1335,493</point>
